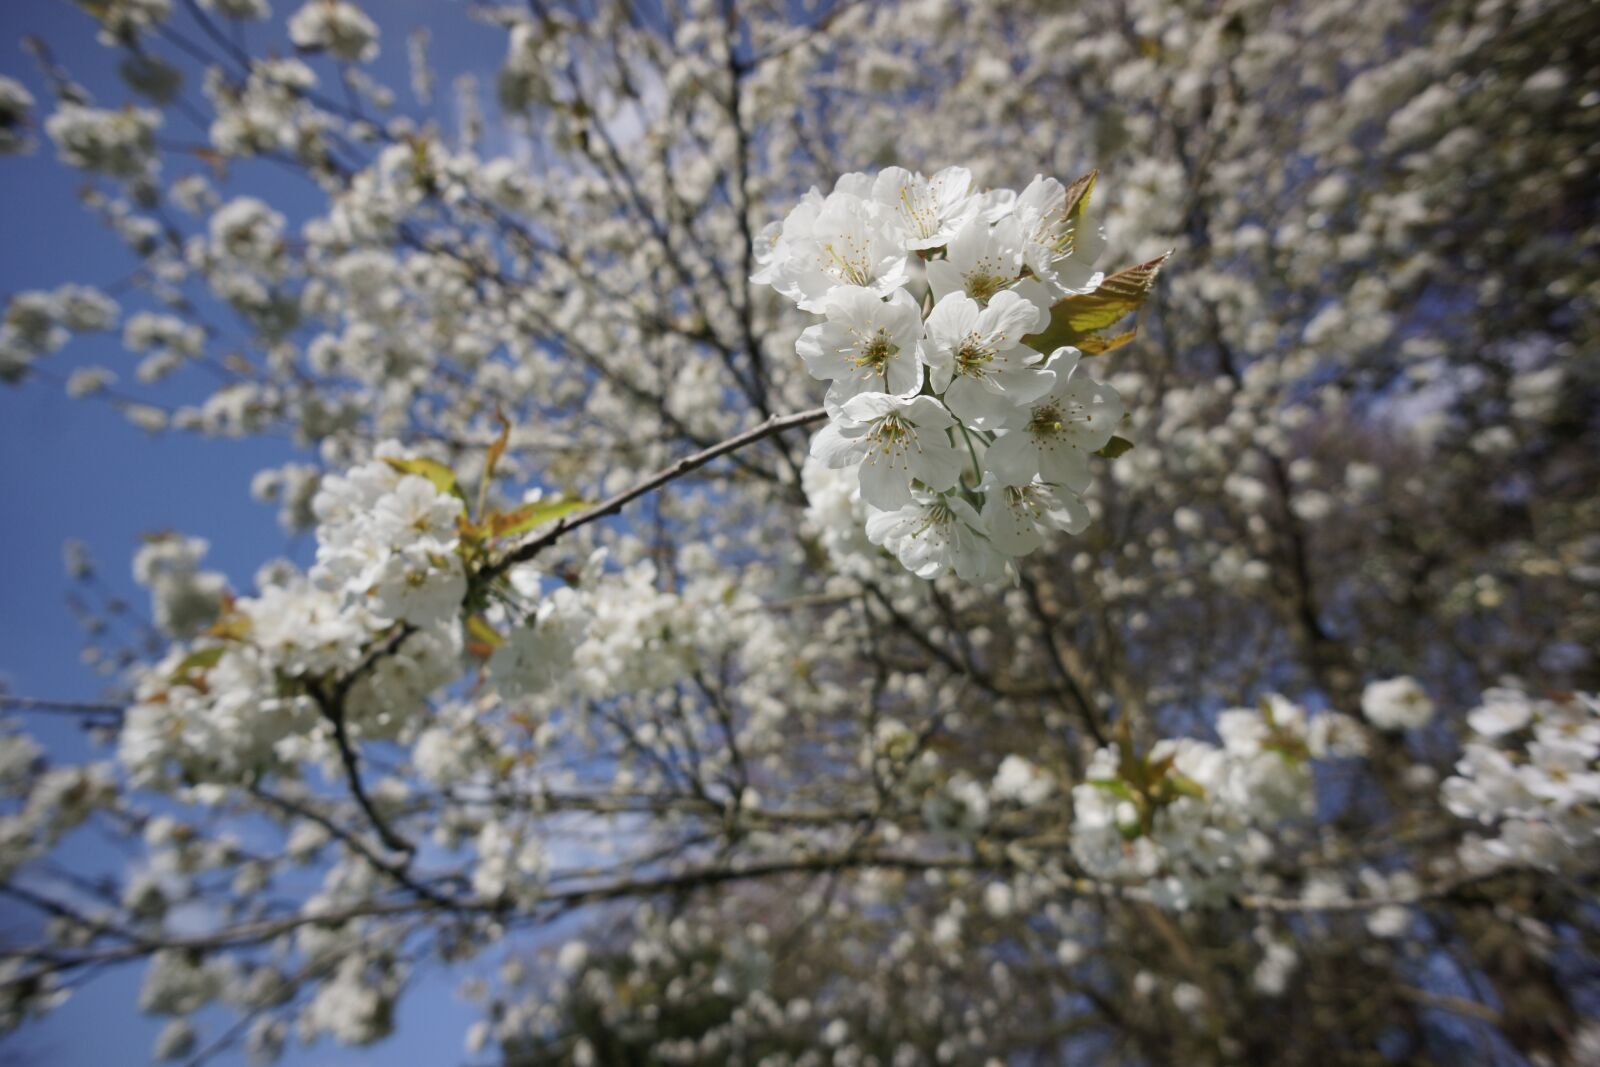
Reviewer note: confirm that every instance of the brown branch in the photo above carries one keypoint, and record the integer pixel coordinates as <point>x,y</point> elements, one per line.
<point>61,707</point>
<point>533,546</point>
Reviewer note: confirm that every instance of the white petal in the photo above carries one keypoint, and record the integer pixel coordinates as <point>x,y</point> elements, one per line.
<point>951,319</point>
<point>926,413</point>
<point>937,464</point>
<point>1061,464</point>
<point>831,447</point>
<point>1008,524</point>
<point>944,278</point>
<point>1009,318</point>
<point>885,483</point>
<point>1013,458</point>
<point>978,405</point>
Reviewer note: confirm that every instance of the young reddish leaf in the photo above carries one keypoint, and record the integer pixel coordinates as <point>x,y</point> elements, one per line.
<point>1077,205</point>
<point>496,450</point>
<point>1075,318</point>
<point>1095,345</point>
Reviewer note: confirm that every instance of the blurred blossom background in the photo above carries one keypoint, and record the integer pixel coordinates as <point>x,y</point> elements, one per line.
<point>1284,757</point>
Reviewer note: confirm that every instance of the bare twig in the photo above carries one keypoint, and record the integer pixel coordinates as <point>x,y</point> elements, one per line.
<point>534,545</point>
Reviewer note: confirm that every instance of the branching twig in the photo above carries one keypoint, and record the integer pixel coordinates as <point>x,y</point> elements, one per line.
<point>533,546</point>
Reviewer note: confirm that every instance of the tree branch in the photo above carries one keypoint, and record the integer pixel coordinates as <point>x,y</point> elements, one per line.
<point>533,546</point>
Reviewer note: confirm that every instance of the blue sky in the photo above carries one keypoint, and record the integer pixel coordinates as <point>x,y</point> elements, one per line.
<point>77,469</point>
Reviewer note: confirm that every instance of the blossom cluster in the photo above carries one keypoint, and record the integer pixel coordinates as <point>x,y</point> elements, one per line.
<point>1191,820</point>
<point>1530,775</point>
<point>37,323</point>
<point>119,144</point>
<point>337,27</point>
<point>242,696</point>
<point>968,444</point>
<point>1396,704</point>
<point>183,598</point>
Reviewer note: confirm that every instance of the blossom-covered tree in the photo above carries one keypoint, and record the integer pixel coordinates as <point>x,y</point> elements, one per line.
<point>918,532</point>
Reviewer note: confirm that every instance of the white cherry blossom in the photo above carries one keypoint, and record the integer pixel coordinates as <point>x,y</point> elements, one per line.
<point>927,211</point>
<point>867,344</point>
<point>842,240</point>
<point>1017,518</point>
<point>980,260</point>
<point>936,534</point>
<point>896,441</point>
<point>1052,437</point>
<point>977,357</point>
<point>1059,252</point>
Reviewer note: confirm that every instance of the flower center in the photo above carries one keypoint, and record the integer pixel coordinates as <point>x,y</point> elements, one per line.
<point>890,432</point>
<point>876,351</point>
<point>972,354</point>
<point>936,517</point>
<point>982,286</point>
<point>850,265</point>
<point>919,212</point>
<point>1049,419</point>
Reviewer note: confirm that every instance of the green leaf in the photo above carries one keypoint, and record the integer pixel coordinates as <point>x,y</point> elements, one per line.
<point>197,662</point>
<point>1115,447</point>
<point>528,516</point>
<point>484,639</point>
<point>1115,786</point>
<point>1095,345</point>
<point>1075,318</point>
<point>1183,785</point>
<point>442,477</point>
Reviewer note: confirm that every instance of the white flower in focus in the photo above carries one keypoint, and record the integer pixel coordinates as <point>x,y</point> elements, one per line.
<point>1396,704</point>
<point>926,211</point>
<point>840,240</point>
<point>1053,437</point>
<point>1060,253</point>
<point>934,535</point>
<point>896,440</point>
<point>980,261</point>
<point>1017,517</point>
<point>977,357</point>
<point>867,345</point>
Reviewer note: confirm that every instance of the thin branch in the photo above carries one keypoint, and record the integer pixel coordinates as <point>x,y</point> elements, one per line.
<point>532,547</point>
<point>61,707</point>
